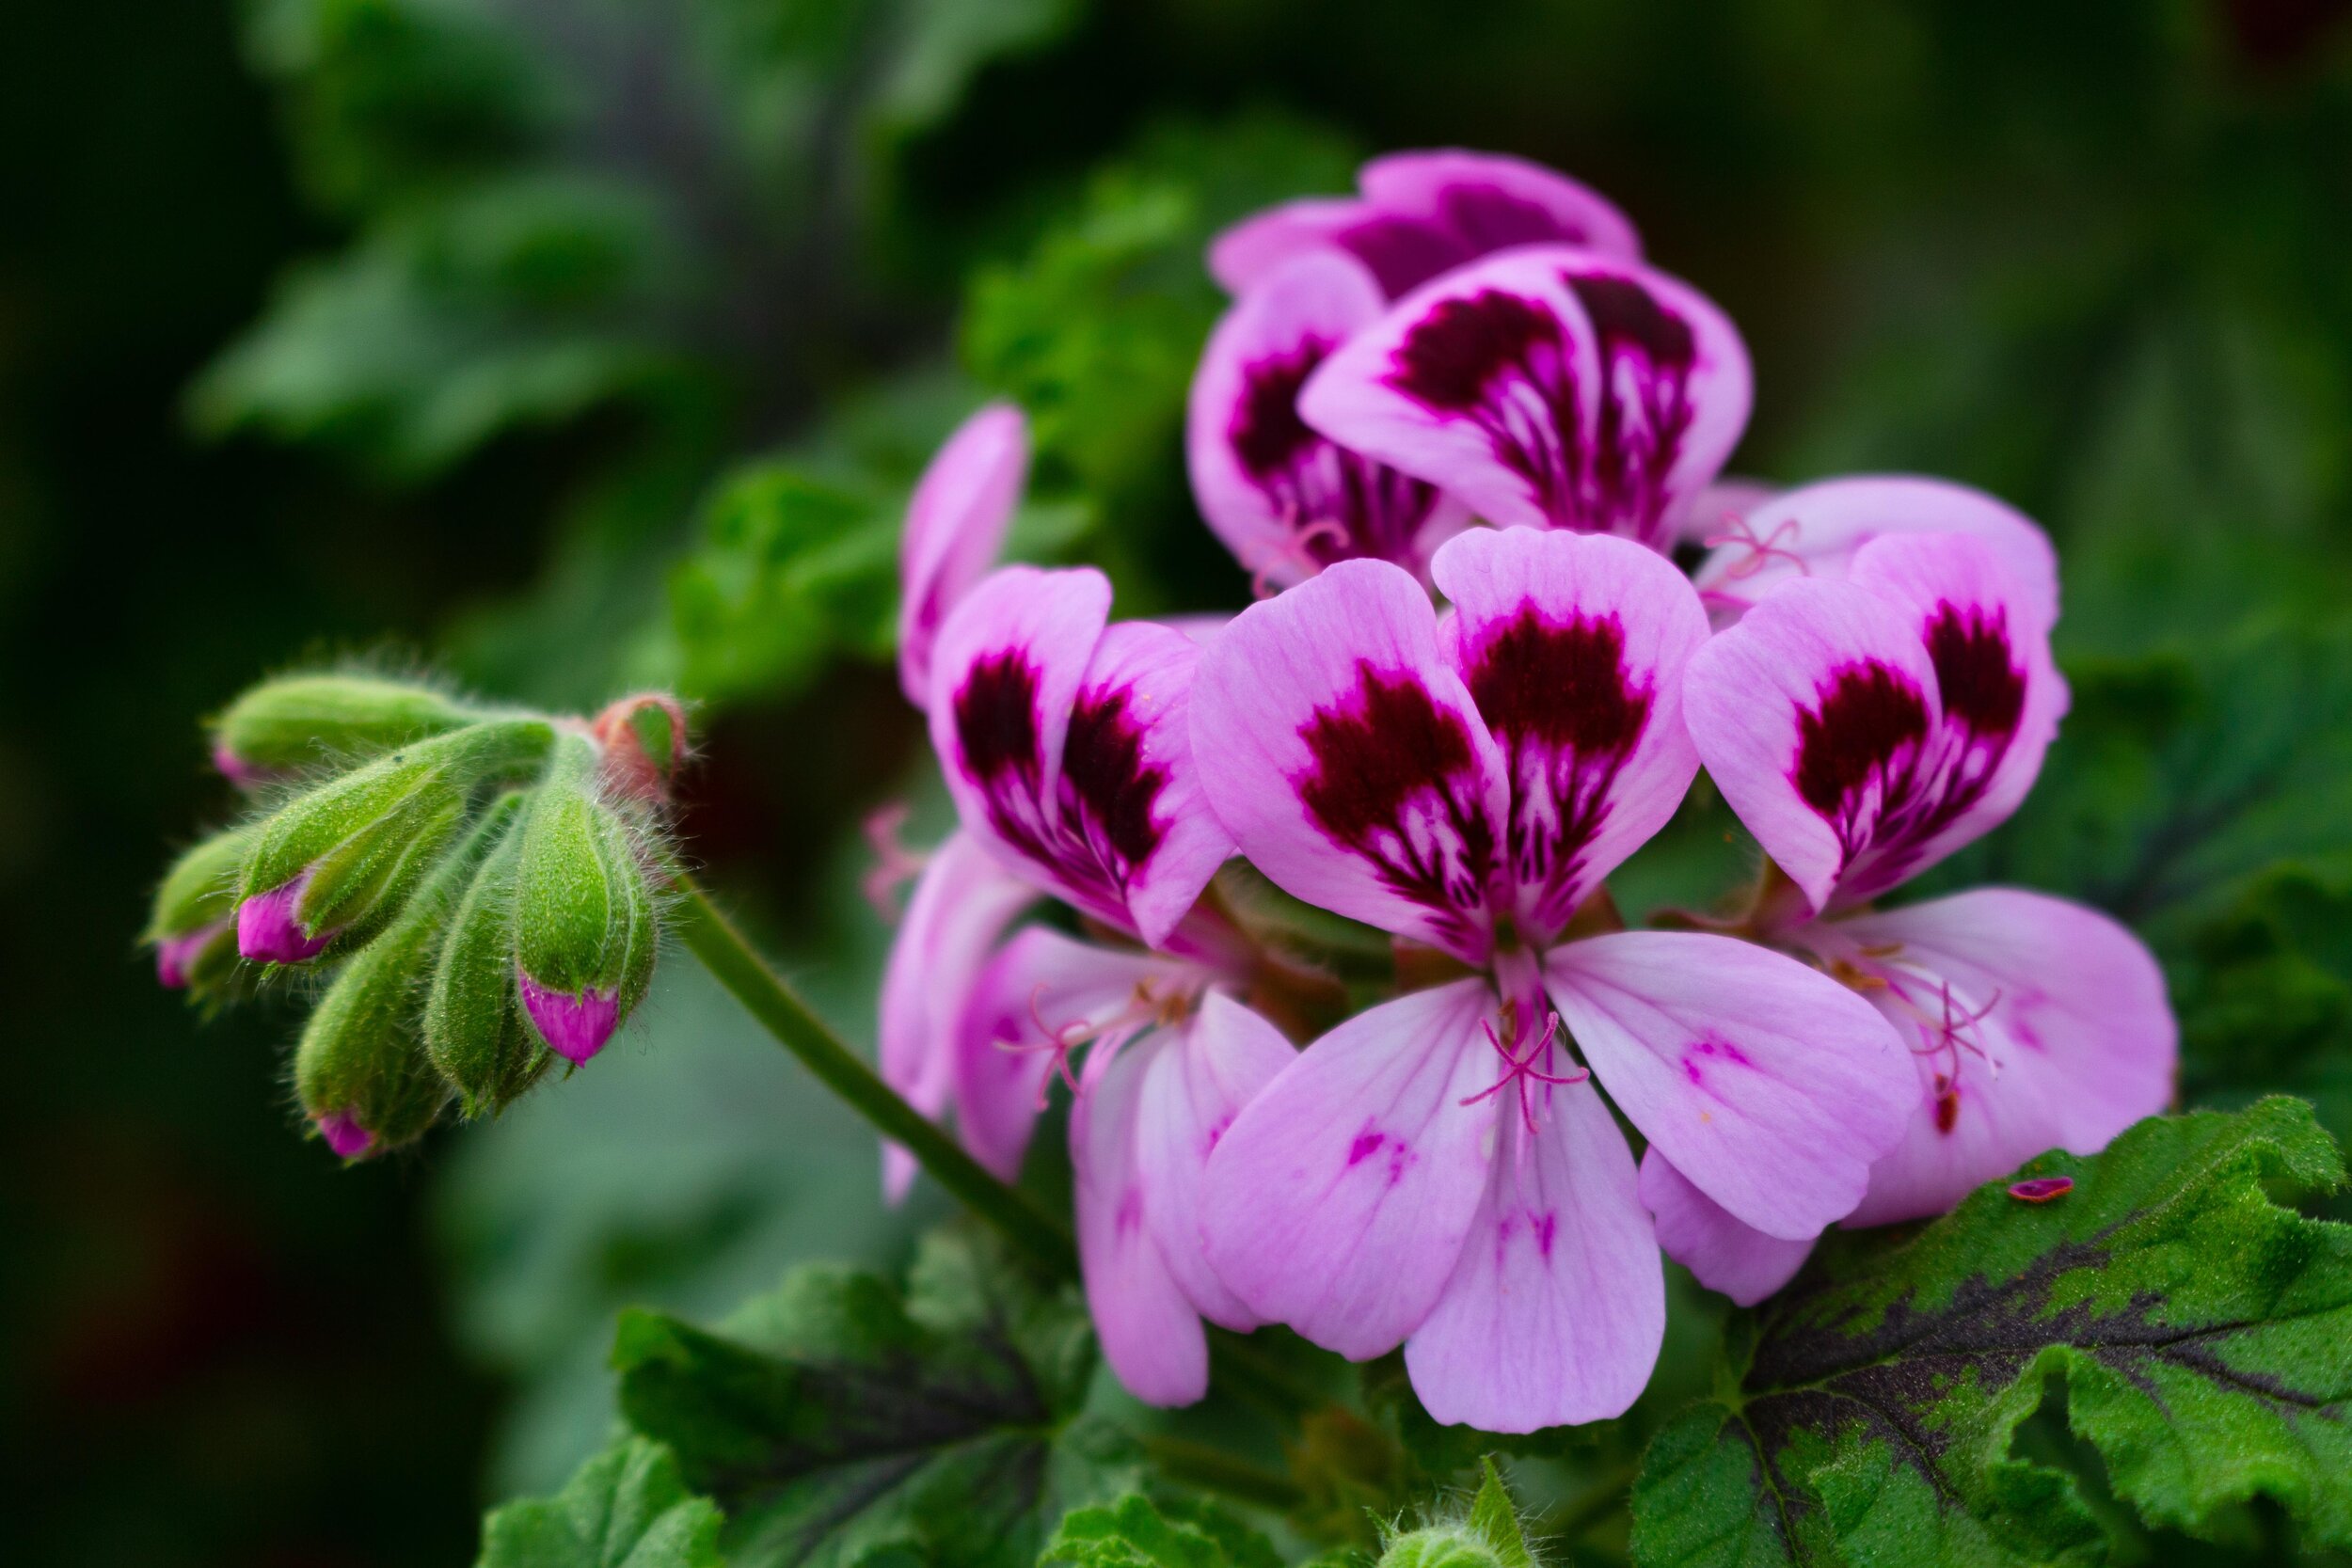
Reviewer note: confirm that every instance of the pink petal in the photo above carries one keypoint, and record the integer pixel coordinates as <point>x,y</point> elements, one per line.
<point>1769,1085</point>
<point>1701,1235</point>
<point>955,525</point>
<point>1149,1331</point>
<point>1572,646</point>
<point>1222,1058</point>
<point>1489,202</point>
<point>1134,833</point>
<point>1815,717</point>
<point>1347,760</point>
<point>1285,500</point>
<point>1549,386</point>
<point>1338,1200</point>
<point>1041,990</point>
<point>1263,243</point>
<point>2077,1040</point>
<point>1816,530</point>
<point>1557,1306</point>
<point>1723,507</point>
<point>962,905</point>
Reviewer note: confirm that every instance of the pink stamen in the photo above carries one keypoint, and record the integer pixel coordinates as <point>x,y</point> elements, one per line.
<point>1294,551</point>
<point>1148,1006</point>
<point>1523,1067</point>
<point>895,865</point>
<point>1759,550</point>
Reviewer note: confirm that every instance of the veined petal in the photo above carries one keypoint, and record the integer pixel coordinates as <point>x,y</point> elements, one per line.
<point>1557,1306</point>
<point>955,525</point>
<point>1217,1063</point>
<point>1703,1236</point>
<point>1339,1198</point>
<point>2035,1023</point>
<point>1286,501</point>
<point>1549,387</point>
<point>1573,646</point>
<point>1040,999</point>
<point>1134,831</point>
<point>1149,1331</point>
<point>1817,716</point>
<point>1424,213</point>
<point>1346,759</point>
<point>960,906</point>
<point>1769,1085</point>
<point>1763,541</point>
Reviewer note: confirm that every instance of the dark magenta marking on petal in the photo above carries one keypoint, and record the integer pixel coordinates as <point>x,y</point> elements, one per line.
<point>1947,1108</point>
<point>996,717</point>
<point>1981,687</point>
<point>1387,751</point>
<point>2042,1189</point>
<point>1401,252</point>
<point>1117,788</point>
<point>1453,357</point>
<point>1488,217</point>
<point>1642,426</point>
<point>1546,1227</point>
<point>1557,696</point>
<point>1266,434</point>
<point>1367,1144</point>
<point>1870,721</point>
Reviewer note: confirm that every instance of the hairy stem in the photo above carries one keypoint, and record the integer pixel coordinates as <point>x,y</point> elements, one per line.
<point>731,960</point>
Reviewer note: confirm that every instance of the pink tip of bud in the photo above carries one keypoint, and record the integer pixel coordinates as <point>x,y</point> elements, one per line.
<point>2042,1189</point>
<point>238,771</point>
<point>175,958</point>
<point>270,932</point>
<point>642,735</point>
<point>574,1027</point>
<point>344,1135</point>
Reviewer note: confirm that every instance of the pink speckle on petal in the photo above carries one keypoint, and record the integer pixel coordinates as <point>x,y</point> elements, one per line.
<point>1366,1144</point>
<point>574,1027</point>
<point>344,1135</point>
<point>2042,1189</point>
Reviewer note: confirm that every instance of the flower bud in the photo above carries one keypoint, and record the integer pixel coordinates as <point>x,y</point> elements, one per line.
<point>345,855</point>
<point>298,721</point>
<point>1488,1538</point>
<point>643,737</point>
<point>583,916</point>
<point>475,1034</point>
<point>193,923</point>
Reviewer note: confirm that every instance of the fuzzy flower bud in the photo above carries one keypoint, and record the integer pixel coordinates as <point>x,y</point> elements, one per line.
<point>643,737</point>
<point>283,726</point>
<point>1489,1537</point>
<point>475,1033</point>
<point>193,925</point>
<point>345,855</point>
<point>583,915</point>
<point>362,1071</point>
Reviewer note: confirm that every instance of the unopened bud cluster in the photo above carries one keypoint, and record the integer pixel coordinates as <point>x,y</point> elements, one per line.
<point>475,886</point>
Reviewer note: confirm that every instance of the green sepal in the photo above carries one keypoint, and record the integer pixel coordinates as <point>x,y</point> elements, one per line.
<point>1139,1531</point>
<point>362,1051</point>
<point>583,914</point>
<point>1489,1537</point>
<point>201,886</point>
<point>367,836</point>
<point>299,721</point>
<point>625,1508</point>
<point>475,1034</point>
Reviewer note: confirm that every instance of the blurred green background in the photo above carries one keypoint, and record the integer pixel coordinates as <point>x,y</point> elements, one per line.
<point>569,344</point>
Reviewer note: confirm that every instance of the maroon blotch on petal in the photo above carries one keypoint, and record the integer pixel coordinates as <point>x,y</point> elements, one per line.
<point>1401,252</point>
<point>1379,752</point>
<point>1871,720</point>
<point>1340,504</point>
<point>1266,434</point>
<point>1453,356</point>
<point>1981,687</point>
<point>1653,349</point>
<point>996,717</point>
<point>1113,783</point>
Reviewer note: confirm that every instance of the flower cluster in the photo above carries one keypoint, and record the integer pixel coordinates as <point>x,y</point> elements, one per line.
<point>1465,382</point>
<point>477,884</point>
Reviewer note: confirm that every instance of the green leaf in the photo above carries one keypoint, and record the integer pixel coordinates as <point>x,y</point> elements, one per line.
<point>626,1508</point>
<point>1136,1532</point>
<point>844,1417</point>
<point>2204,1334</point>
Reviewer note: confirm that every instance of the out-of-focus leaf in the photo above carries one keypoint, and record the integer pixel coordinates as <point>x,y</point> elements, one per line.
<point>626,1508</point>
<point>843,1420</point>
<point>2204,1332</point>
<point>1136,1532</point>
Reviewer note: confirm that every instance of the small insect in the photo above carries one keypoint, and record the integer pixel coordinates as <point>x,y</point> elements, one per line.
<point>2042,1189</point>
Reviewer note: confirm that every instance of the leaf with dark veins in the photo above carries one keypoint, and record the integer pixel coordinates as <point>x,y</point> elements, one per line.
<point>2203,1331</point>
<point>843,1417</point>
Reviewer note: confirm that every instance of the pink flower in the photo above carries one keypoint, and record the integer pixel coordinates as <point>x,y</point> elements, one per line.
<point>1440,1170</point>
<point>955,525</point>
<point>1421,213</point>
<point>1864,727</point>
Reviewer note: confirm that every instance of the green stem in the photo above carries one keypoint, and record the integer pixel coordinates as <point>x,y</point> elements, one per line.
<point>710,937</point>
<point>1212,1469</point>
